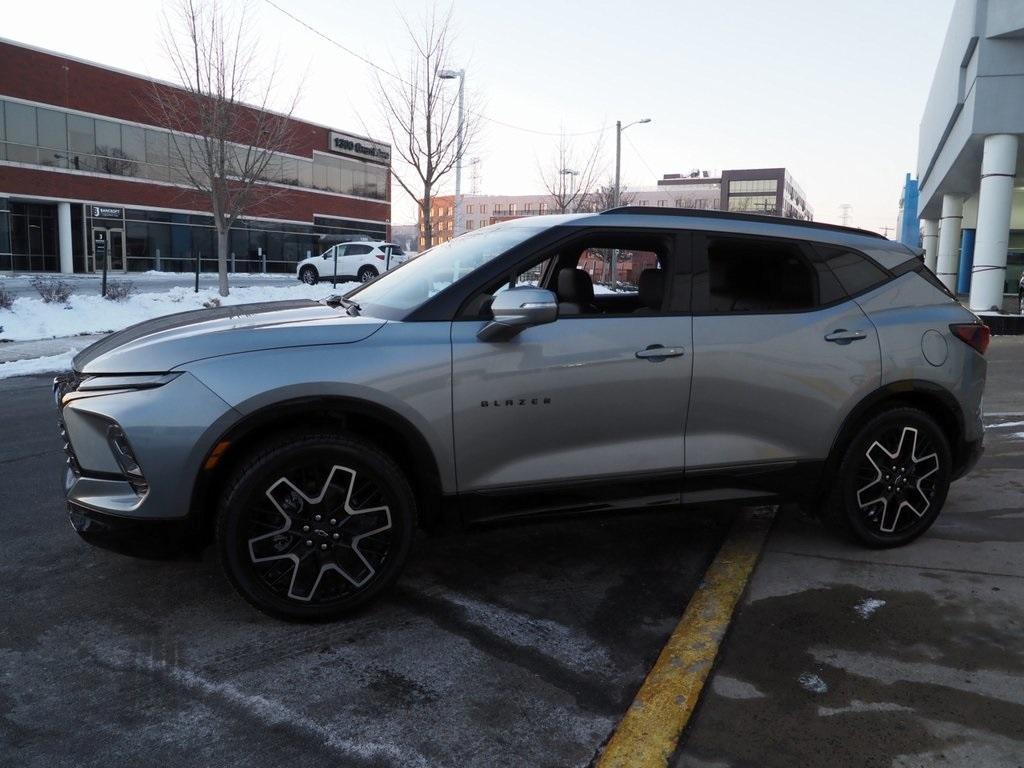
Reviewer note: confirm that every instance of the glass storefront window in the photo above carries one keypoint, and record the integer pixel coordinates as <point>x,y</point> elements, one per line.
<point>53,129</point>
<point>56,138</point>
<point>133,143</point>
<point>82,134</point>
<point>108,138</point>
<point>20,123</point>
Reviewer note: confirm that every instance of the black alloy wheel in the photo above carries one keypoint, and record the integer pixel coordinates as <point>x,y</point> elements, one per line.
<point>313,526</point>
<point>893,479</point>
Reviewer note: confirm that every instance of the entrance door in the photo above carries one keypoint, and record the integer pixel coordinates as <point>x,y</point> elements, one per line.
<point>116,261</point>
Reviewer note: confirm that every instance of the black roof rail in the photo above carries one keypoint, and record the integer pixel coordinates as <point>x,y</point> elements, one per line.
<point>698,213</point>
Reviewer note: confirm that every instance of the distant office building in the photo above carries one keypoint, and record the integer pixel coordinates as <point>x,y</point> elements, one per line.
<point>969,158</point>
<point>908,230</point>
<point>768,191</point>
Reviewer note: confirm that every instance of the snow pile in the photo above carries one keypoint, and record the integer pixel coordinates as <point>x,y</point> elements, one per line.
<point>30,318</point>
<point>31,365</point>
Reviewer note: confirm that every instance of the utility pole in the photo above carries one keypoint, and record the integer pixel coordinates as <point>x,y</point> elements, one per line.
<point>451,74</point>
<point>885,231</point>
<point>844,213</point>
<point>619,128</point>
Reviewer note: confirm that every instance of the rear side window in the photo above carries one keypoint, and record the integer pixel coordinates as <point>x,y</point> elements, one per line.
<point>855,271</point>
<point>358,250</point>
<point>750,275</point>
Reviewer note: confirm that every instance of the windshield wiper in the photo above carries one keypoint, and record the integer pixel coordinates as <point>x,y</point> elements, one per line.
<point>350,306</point>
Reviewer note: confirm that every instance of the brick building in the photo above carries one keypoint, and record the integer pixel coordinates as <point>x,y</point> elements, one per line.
<point>79,153</point>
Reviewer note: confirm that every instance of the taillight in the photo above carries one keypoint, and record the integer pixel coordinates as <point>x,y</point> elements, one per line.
<point>380,256</point>
<point>974,334</point>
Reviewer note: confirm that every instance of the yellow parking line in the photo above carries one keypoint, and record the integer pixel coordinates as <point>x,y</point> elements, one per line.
<point>649,731</point>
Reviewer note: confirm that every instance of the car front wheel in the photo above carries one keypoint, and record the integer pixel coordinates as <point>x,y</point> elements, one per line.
<point>309,276</point>
<point>892,480</point>
<point>312,526</point>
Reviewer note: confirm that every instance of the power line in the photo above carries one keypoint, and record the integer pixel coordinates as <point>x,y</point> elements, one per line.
<point>642,160</point>
<point>402,80</point>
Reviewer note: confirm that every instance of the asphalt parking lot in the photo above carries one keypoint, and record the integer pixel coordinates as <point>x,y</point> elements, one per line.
<point>514,646</point>
<point>525,644</point>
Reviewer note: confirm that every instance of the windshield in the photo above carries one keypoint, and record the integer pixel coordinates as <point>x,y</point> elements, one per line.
<point>395,293</point>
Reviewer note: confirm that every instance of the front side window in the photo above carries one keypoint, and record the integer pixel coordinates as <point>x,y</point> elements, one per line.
<point>401,290</point>
<point>750,275</point>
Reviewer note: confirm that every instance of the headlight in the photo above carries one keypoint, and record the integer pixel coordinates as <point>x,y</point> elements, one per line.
<point>132,381</point>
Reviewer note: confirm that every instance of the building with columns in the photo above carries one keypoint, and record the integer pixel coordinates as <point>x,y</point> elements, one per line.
<point>970,168</point>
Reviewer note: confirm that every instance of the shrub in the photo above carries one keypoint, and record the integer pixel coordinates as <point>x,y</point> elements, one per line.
<point>212,303</point>
<point>51,290</point>
<point>6,298</point>
<point>119,290</point>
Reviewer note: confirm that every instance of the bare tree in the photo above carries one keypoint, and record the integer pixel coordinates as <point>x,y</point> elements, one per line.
<point>570,175</point>
<point>603,197</point>
<point>423,117</point>
<point>224,136</point>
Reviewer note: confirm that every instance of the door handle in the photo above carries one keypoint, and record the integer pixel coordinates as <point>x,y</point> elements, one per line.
<point>843,336</point>
<point>657,352</point>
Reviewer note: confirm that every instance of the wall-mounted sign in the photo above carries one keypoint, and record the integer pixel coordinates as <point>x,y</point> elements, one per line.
<point>364,149</point>
<point>106,212</point>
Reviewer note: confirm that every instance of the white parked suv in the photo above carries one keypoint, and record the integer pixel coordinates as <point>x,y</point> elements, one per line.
<point>363,260</point>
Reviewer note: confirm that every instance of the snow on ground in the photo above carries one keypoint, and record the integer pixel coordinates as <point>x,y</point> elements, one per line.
<point>812,683</point>
<point>32,365</point>
<point>30,318</point>
<point>865,608</point>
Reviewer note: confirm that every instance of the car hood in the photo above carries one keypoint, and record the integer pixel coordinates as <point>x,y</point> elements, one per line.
<point>162,344</point>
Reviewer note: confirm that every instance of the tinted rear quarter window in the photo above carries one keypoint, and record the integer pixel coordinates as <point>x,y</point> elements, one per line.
<point>855,271</point>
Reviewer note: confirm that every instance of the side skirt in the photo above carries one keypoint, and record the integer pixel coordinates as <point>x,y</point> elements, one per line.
<point>776,482</point>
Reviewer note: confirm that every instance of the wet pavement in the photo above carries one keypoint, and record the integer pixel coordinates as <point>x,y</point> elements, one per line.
<point>842,656</point>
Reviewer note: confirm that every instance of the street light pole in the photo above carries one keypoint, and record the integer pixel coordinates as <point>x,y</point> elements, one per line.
<point>451,74</point>
<point>619,128</point>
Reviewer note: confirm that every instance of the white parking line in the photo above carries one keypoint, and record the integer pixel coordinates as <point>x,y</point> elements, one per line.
<point>272,713</point>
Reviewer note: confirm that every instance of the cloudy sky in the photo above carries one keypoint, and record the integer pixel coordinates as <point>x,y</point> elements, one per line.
<point>831,89</point>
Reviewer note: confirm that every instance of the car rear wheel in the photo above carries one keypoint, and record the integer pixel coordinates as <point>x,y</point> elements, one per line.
<point>366,274</point>
<point>309,276</point>
<point>892,481</point>
<point>312,526</point>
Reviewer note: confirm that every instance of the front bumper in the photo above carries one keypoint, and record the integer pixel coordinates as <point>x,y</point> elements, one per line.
<point>170,429</point>
<point>151,539</point>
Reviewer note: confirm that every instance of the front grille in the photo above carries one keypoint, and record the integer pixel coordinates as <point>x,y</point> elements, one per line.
<point>62,385</point>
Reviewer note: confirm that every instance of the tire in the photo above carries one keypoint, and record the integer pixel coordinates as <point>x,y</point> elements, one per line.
<point>367,273</point>
<point>309,276</point>
<point>312,526</point>
<point>892,481</point>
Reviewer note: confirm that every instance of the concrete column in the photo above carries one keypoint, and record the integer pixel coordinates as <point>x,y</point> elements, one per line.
<point>949,240</point>
<point>998,165</point>
<point>963,273</point>
<point>930,242</point>
<point>67,265</point>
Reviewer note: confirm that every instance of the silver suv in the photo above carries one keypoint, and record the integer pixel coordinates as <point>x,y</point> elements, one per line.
<point>740,359</point>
